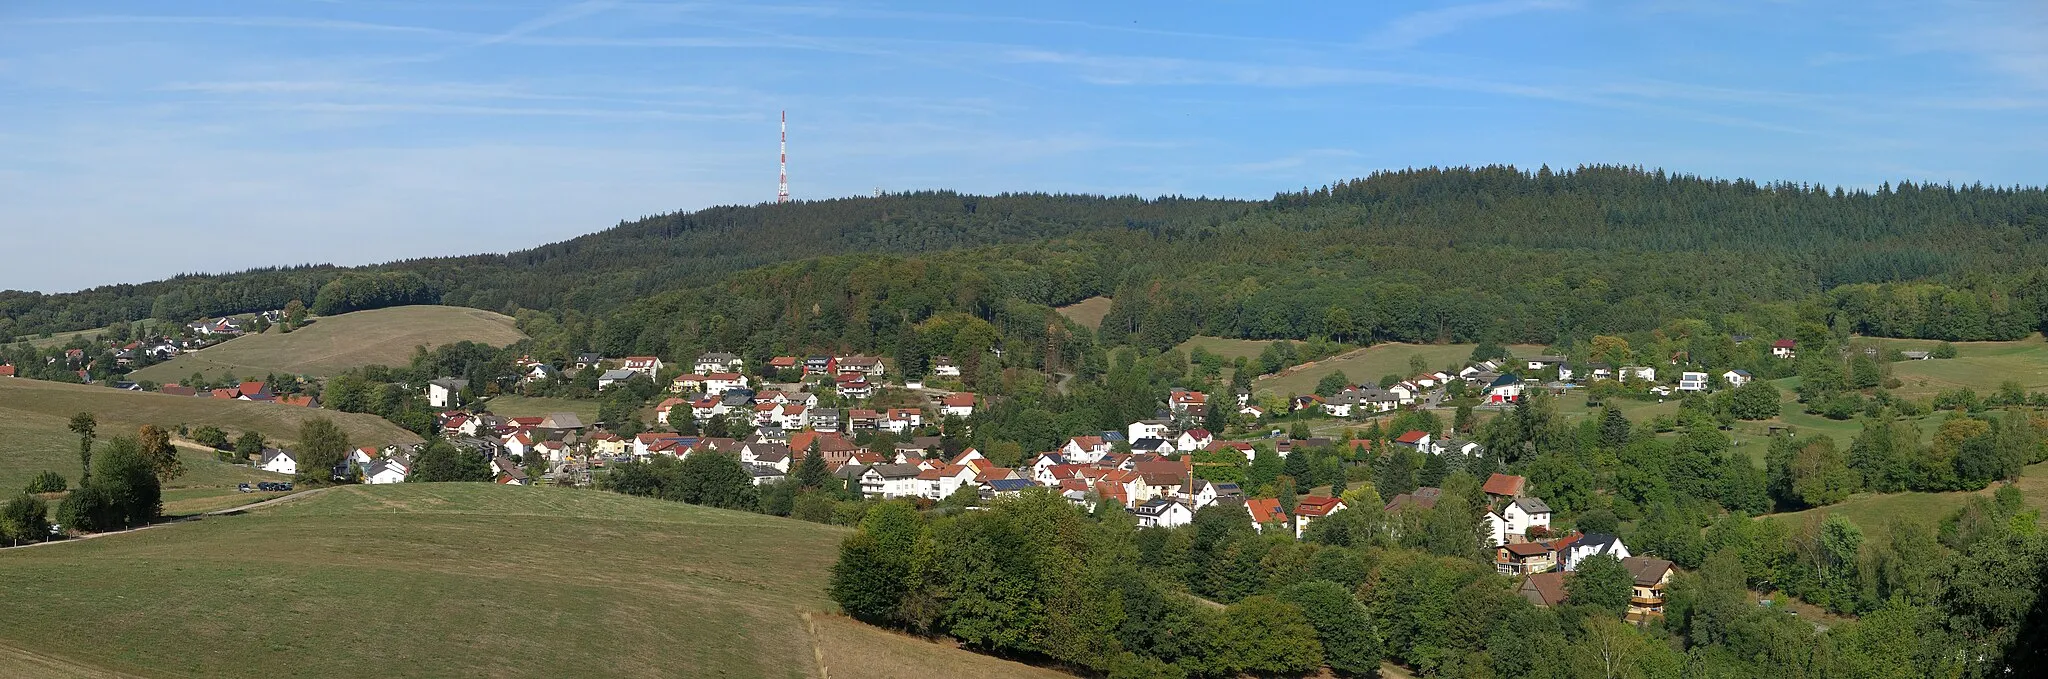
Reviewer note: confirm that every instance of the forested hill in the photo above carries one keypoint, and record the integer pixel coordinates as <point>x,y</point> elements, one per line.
<point>602,270</point>
<point>1502,238</point>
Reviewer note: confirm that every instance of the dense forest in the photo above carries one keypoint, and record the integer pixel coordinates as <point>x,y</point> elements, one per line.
<point>1417,255</point>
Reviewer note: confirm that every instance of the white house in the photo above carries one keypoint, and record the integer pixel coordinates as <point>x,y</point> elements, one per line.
<point>1591,544</point>
<point>1737,377</point>
<point>1496,529</point>
<point>1525,513</point>
<point>959,405</point>
<point>717,362</point>
<point>446,392</point>
<point>1193,439</point>
<point>890,480</point>
<point>1084,449</point>
<point>1784,349</point>
<point>1162,512</point>
<point>1504,389</point>
<point>1638,372</point>
<point>384,471</point>
<point>1692,381</point>
<point>944,367</point>
<point>717,384</point>
<point>1146,429</point>
<point>280,461</point>
<point>611,377</point>
<point>1312,508</point>
<point>645,365</point>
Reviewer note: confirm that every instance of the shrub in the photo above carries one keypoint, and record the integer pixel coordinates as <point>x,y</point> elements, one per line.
<point>47,482</point>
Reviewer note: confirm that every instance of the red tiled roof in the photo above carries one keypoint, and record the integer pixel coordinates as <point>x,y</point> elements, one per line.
<point>1265,510</point>
<point>1783,344</point>
<point>1526,549</point>
<point>1087,442</point>
<point>1413,436</point>
<point>1318,505</point>
<point>1504,484</point>
<point>6,371</point>
<point>959,400</point>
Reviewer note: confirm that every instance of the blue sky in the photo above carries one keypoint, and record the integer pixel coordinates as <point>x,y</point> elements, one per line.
<point>144,139</point>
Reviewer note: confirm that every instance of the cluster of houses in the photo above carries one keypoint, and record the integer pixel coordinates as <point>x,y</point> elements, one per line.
<point>1497,385</point>
<point>245,391</point>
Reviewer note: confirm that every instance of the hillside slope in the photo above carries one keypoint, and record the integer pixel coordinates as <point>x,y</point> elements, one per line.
<point>336,343</point>
<point>35,419</point>
<point>457,580</point>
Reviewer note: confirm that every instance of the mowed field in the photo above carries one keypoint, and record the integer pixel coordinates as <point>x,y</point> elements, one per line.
<point>1087,312</point>
<point>35,435</point>
<point>1978,365</point>
<point>1367,365</point>
<point>456,580</point>
<point>509,405</point>
<point>336,343</point>
<point>1872,511</point>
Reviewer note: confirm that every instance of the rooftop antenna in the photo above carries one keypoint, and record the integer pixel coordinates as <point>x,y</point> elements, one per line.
<point>782,184</point>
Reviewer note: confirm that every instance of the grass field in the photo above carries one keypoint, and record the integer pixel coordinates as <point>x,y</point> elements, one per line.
<point>1978,365</point>
<point>1370,363</point>
<point>457,580</point>
<point>336,343</point>
<point>528,406</point>
<point>1870,511</point>
<point>58,338</point>
<point>1087,312</point>
<point>1229,349</point>
<point>35,430</point>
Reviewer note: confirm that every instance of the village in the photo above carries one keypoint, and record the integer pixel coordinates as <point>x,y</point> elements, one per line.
<point>1147,469</point>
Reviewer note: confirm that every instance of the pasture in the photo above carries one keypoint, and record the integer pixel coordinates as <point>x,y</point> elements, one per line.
<point>336,343</point>
<point>457,580</point>
<point>1367,365</point>
<point>35,427</point>
<point>1088,312</point>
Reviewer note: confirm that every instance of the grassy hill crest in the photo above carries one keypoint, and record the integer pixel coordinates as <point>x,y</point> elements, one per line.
<point>458,580</point>
<point>335,343</point>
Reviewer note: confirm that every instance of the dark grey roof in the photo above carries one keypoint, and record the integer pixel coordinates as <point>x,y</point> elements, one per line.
<point>1007,485</point>
<point>896,471</point>
<point>1502,381</point>
<point>1148,444</point>
<point>761,470</point>
<point>1532,505</point>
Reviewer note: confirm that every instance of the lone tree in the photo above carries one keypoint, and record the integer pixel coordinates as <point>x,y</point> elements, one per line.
<point>85,426</point>
<point>162,456</point>
<point>322,447</point>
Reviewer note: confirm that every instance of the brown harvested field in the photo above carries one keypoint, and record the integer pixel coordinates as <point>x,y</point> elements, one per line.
<point>336,343</point>
<point>1087,312</point>
<point>457,580</point>
<point>35,427</point>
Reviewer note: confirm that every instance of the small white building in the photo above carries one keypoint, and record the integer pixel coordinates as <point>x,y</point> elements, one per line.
<point>1737,377</point>
<point>1692,381</point>
<point>1638,372</point>
<point>446,392</point>
<point>279,461</point>
<point>1162,512</point>
<point>1525,513</point>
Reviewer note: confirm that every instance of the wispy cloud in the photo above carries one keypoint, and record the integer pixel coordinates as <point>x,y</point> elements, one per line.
<point>2010,39</point>
<point>1414,29</point>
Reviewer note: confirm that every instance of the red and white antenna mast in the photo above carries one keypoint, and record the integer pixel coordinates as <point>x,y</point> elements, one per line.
<point>782,184</point>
